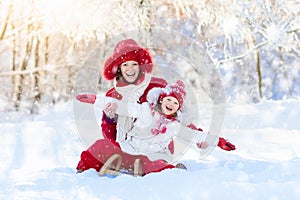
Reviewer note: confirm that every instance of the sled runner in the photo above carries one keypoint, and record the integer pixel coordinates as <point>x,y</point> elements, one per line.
<point>112,167</point>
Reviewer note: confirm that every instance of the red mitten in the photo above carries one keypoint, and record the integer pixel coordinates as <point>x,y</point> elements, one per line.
<point>86,98</point>
<point>225,145</point>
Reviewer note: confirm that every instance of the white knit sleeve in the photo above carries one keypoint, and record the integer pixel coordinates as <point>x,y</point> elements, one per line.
<point>129,109</point>
<point>189,135</point>
<point>211,139</point>
<point>140,111</point>
<point>101,101</point>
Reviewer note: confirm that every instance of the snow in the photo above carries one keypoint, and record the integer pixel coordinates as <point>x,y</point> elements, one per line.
<point>39,154</point>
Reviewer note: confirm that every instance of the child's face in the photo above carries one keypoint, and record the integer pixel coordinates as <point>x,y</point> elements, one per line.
<point>169,105</point>
<point>130,70</point>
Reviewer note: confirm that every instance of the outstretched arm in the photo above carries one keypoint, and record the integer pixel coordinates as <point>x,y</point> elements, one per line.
<point>128,109</point>
<point>221,142</point>
<point>202,140</point>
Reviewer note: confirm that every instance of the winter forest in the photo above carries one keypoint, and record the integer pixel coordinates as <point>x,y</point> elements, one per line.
<point>49,50</point>
<point>239,61</point>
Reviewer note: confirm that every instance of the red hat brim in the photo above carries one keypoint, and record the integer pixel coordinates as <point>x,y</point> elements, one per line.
<point>135,53</point>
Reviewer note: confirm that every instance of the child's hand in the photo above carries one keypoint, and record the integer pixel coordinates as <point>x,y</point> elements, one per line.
<point>225,145</point>
<point>202,145</point>
<point>110,109</point>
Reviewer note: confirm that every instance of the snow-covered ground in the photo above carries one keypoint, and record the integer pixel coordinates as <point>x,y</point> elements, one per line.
<point>39,155</point>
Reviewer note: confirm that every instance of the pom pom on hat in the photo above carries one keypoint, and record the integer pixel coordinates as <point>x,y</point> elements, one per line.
<point>153,95</point>
<point>124,51</point>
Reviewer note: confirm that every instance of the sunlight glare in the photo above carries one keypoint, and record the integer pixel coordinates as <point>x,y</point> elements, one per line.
<point>60,15</point>
<point>229,25</point>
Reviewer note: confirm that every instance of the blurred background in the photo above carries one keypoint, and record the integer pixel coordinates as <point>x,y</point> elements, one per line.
<point>50,50</point>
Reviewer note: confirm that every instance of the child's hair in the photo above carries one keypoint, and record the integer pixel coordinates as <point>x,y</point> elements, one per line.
<point>157,108</point>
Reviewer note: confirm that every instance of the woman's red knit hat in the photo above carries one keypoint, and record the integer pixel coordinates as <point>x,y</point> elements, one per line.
<point>124,51</point>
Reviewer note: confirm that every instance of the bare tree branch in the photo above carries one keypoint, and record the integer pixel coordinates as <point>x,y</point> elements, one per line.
<point>6,22</point>
<point>30,71</point>
<point>294,30</point>
<point>244,54</point>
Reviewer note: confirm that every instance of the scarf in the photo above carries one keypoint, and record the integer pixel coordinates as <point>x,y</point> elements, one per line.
<point>130,93</point>
<point>161,122</point>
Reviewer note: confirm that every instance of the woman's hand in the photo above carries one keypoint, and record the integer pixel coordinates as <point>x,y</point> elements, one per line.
<point>110,109</point>
<point>86,98</point>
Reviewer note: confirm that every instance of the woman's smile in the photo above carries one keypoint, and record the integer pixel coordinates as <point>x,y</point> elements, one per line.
<point>130,71</point>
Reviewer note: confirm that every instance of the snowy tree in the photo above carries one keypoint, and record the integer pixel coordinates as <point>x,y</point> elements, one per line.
<point>46,45</point>
<point>262,30</point>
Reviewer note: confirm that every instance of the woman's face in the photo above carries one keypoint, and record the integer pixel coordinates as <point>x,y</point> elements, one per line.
<point>169,105</point>
<point>130,71</point>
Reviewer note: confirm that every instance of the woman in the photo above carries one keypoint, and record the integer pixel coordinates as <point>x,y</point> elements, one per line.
<point>129,66</point>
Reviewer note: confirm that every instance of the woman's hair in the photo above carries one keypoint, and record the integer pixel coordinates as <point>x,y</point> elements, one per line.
<point>119,75</point>
<point>157,108</point>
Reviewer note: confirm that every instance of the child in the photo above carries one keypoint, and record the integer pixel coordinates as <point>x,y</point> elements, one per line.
<point>157,122</point>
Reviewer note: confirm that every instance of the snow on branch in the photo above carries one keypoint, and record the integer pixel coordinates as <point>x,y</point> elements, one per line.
<point>294,30</point>
<point>29,71</point>
<point>241,56</point>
